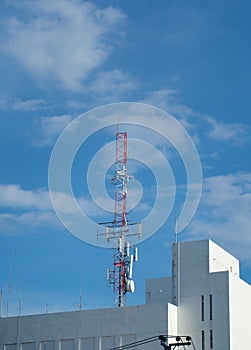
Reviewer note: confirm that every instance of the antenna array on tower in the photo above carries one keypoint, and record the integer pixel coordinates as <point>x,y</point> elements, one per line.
<point>120,276</point>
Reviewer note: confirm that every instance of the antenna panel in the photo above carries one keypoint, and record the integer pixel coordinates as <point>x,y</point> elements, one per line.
<point>131,266</point>
<point>136,254</point>
<point>130,286</point>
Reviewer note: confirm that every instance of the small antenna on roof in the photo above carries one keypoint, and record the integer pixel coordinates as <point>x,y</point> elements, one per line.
<point>20,300</point>
<point>1,302</point>
<point>118,122</point>
<point>9,285</point>
<point>81,293</point>
<point>175,230</point>
<point>80,305</point>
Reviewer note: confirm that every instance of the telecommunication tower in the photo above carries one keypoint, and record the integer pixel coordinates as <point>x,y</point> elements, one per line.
<point>120,276</point>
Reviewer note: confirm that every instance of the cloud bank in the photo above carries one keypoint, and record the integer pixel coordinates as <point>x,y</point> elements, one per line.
<point>62,41</point>
<point>225,213</point>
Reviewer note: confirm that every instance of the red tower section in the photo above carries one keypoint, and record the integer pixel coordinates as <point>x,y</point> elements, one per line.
<point>120,180</point>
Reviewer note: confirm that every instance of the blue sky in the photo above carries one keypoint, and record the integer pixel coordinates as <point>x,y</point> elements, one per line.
<point>62,59</point>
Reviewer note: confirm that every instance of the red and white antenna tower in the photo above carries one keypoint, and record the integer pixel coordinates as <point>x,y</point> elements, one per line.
<point>125,253</point>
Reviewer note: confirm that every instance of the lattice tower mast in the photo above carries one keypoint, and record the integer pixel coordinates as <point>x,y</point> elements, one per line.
<point>125,253</point>
<point>120,218</point>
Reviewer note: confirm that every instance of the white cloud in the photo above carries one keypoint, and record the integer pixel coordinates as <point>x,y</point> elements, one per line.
<point>197,123</point>
<point>49,129</point>
<point>113,83</point>
<point>26,222</point>
<point>14,197</point>
<point>65,204</point>
<point>7,103</point>
<point>225,213</point>
<point>62,41</point>
<point>29,211</point>
<point>234,132</point>
<point>168,100</point>
<point>163,98</point>
<point>25,211</point>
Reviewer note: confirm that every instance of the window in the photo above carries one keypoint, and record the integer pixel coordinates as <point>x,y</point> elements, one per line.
<point>128,339</point>
<point>202,308</point>
<point>87,343</point>
<point>28,346</point>
<point>47,345</point>
<point>202,340</point>
<point>107,342</point>
<point>211,307</point>
<point>67,344</point>
<point>10,346</point>
<point>211,339</point>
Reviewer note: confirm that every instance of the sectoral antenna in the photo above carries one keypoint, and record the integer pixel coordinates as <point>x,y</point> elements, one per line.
<point>121,274</point>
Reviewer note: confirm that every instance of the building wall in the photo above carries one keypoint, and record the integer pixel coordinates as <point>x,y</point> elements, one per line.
<point>240,310</point>
<point>208,293</point>
<point>204,296</point>
<point>172,320</point>
<point>84,330</point>
<point>206,311</point>
<point>220,260</point>
<point>159,290</point>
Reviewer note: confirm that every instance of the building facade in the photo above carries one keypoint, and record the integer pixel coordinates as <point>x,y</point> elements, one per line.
<point>204,298</point>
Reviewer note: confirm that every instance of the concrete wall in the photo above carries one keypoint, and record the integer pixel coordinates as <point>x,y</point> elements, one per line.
<point>172,320</point>
<point>220,260</point>
<point>199,289</point>
<point>201,269</point>
<point>84,330</point>
<point>205,273</point>
<point>159,290</point>
<point>240,314</point>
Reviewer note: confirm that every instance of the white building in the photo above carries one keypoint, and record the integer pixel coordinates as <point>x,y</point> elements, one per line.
<point>204,298</point>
